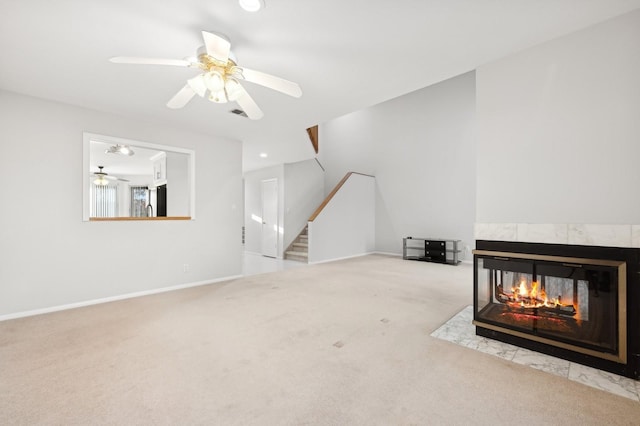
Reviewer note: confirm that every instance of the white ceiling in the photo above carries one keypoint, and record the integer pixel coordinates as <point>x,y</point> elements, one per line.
<point>345,54</point>
<point>141,163</point>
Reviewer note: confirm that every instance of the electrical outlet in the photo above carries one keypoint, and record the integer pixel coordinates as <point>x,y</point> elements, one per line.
<point>185,267</point>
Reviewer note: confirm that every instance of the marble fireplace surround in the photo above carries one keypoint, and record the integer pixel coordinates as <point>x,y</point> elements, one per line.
<point>562,233</point>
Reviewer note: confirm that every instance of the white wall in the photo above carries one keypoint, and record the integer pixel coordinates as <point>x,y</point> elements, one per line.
<point>177,184</point>
<point>253,206</point>
<point>558,130</point>
<point>420,147</point>
<point>304,192</point>
<point>50,257</point>
<point>346,225</point>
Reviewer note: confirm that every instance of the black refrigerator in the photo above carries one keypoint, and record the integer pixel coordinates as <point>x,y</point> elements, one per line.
<point>161,194</point>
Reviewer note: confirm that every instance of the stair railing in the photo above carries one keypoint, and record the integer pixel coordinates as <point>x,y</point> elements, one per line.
<point>332,193</point>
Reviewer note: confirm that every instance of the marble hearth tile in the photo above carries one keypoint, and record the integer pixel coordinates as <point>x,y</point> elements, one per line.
<point>497,348</point>
<point>635,235</point>
<point>550,233</point>
<point>550,364</point>
<point>604,380</point>
<point>496,231</point>
<point>600,235</point>
<point>459,329</point>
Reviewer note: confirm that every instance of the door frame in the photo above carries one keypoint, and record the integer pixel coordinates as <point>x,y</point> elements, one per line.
<point>266,227</point>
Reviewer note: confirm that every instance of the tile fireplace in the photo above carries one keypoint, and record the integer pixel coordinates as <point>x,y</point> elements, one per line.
<point>575,302</point>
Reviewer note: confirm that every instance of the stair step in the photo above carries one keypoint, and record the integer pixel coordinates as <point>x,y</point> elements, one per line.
<point>297,259</point>
<point>300,248</point>
<point>297,253</point>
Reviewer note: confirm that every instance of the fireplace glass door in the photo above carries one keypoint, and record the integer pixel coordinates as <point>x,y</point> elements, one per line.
<point>560,301</point>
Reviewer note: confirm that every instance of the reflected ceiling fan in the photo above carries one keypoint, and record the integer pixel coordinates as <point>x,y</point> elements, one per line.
<point>102,178</point>
<point>220,76</point>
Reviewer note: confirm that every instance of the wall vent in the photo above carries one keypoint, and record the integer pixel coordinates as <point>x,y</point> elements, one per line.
<point>238,112</point>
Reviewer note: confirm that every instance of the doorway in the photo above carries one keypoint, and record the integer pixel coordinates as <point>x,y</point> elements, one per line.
<point>270,217</point>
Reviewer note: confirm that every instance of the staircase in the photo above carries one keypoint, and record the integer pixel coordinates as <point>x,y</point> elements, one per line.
<point>299,249</point>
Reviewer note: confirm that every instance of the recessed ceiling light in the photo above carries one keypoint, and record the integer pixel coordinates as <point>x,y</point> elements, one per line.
<point>263,155</point>
<point>251,5</point>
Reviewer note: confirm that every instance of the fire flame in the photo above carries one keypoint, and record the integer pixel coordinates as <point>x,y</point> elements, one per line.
<point>535,297</point>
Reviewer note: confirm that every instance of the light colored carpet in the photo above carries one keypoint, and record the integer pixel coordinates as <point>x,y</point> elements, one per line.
<point>341,343</point>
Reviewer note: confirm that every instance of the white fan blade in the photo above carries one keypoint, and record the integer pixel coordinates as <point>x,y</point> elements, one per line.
<point>109,177</point>
<point>272,82</point>
<point>250,107</point>
<point>197,84</point>
<point>149,61</point>
<point>217,47</point>
<point>182,97</point>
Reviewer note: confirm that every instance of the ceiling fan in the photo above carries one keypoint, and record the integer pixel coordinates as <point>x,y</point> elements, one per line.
<point>102,178</point>
<point>220,76</point>
<point>120,149</point>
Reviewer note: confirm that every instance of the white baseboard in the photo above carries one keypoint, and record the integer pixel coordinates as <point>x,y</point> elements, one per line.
<point>386,253</point>
<point>113,298</point>
<point>341,258</point>
<point>253,253</point>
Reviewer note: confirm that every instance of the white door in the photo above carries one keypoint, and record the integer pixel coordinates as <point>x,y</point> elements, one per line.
<point>270,217</point>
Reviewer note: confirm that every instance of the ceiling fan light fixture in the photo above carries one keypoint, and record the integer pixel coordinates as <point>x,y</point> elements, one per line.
<point>233,89</point>
<point>251,5</point>
<point>218,96</point>
<point>101,181</point>
<point>214,81</point>
<point>236,72</point>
